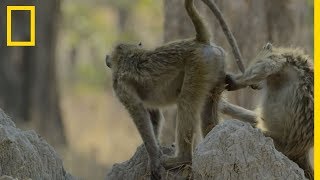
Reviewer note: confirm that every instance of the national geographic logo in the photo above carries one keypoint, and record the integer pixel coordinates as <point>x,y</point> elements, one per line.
<point>32,11</point>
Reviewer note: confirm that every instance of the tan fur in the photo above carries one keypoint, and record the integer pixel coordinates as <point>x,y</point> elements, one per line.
<point>286,110</point>
<point>184,72</point>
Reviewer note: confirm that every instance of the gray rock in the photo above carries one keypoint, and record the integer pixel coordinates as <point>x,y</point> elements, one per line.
<point>232,150</point>
<point>5,119</point>
<point>7,178</point>
<point>137,167</point>
<point>26,155</point>
<point>236,150</point>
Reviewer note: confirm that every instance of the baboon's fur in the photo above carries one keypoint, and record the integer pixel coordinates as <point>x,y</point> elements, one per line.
<point>286,111</point>
<point>183,73</point>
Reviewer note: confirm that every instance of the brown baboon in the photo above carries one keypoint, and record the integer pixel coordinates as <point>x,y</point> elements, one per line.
<point>286,111</point>
<point>185,72</point>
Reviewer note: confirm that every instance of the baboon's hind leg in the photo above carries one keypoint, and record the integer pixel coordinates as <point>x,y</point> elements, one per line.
<point>209,114</point>
<point>190,102</point>
<point>155,116</point>
<point>185,133</point>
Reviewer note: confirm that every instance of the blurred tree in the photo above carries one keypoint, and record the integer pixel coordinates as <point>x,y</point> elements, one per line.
<point>28,84</point>
<point>254,23</point>
<point>176,24</point>
<point>123,8</point>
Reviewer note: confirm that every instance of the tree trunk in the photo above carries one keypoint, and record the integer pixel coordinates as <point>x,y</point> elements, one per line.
<point>29,89</point>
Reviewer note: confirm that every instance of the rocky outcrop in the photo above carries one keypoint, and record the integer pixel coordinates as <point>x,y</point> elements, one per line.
<point>26,155</point>
<point>232,150</point>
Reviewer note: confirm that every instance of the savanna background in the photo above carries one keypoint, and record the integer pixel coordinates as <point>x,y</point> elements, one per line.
<point>61,88</point>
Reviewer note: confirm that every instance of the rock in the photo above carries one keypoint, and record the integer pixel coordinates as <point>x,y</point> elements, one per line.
<point>26,155</point>
<point>232,150</point>
<point>7,178</point>
<point>236,150</point>
<point>137,167</point>
<point>5,120</point>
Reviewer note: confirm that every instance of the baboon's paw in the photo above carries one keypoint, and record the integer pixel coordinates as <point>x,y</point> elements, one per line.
<point>156,170</point>
<point>155,173</point>
<point>172,162</point>
<point>256,86</point>
<point>231,83</point>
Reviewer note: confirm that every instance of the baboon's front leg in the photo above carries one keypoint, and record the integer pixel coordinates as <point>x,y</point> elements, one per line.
<point>232,84</point>
<point>238,112</point>
<point>255,73</point>
<point>141,118</point>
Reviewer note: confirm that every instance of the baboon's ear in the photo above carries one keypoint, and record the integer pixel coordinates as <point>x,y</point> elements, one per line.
<point>268,46</point>
<point>108,61</point>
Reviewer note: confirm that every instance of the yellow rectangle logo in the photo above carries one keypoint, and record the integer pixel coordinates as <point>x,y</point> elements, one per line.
<point>32,41</point>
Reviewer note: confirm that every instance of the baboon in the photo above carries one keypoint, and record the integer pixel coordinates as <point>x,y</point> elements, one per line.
<point>286,109</point>
<point>184,72</point>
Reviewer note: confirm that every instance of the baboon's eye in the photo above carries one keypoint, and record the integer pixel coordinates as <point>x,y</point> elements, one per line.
<point>140,44</point>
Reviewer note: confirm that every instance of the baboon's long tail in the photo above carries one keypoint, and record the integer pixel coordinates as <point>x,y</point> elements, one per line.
<point>203,35</point>
<point>232,41</point>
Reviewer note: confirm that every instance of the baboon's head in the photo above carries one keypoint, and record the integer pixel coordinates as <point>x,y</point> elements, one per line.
<point>122,52</point>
